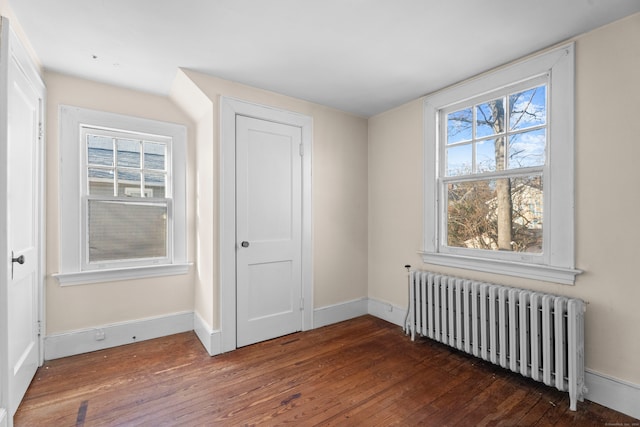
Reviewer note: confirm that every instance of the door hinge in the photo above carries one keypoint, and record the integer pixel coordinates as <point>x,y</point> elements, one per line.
<point>39,327</point>
<point>301,304</point>
<point>301,149</point>
<point>40,132</point>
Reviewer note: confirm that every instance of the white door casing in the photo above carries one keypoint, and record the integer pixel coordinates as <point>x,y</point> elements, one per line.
<point>229,245</point>
<point>268,230</point>
<point>21,219</point>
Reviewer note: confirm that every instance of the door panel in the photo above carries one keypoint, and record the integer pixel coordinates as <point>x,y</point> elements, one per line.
<point>269,220</point>
<point>264,301</point>
<point>23,217</point>
<point>269,186</point>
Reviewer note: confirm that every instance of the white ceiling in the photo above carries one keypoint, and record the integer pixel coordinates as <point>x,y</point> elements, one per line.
<point>361,56</point>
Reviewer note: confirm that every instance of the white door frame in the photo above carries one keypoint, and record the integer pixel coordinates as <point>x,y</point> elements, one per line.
<point>13,50</point>
<point>229,108</point>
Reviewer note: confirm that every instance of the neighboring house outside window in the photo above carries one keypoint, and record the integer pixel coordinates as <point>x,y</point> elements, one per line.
<point>123,208</point>
<point>499,171</point>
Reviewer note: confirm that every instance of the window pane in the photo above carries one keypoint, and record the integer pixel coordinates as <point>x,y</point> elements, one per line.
<point>459,160</point>
<point>528,108</point>
<point>490,118</point>
<point>129,183</point>
<point>99,150</point>
<point>459,126</point>
<point>100,182</point>
<point>498,214</point>
<point>486,155</point>
<point>154,156</point>
<point>128,153</point>
<point>154,185</point>
<point>527,149</point>
<point>126,231</point>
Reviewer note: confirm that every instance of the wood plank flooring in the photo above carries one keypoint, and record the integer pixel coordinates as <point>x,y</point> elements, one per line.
<point>363,372</point>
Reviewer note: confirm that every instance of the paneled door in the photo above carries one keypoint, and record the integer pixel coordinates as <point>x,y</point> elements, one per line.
<point>268,229</point>
<point>21,163</point>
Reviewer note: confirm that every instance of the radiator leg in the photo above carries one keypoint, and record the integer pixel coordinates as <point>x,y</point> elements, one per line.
<point>409,320</point>
<point>573,400</point>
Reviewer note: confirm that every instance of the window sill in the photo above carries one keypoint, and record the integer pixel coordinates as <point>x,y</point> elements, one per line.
<point>101,276</point>
<point>565,276</point>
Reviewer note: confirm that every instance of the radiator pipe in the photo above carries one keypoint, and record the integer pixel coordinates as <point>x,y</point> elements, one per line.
<point>406,318</point>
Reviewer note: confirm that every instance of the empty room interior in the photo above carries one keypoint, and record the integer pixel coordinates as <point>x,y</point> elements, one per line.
<point>216,191</point>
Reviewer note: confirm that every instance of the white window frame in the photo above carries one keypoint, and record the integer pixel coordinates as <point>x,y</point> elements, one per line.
<point>74,268</point>
<point>557,262</point>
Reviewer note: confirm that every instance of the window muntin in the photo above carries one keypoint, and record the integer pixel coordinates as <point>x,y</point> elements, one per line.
<point>126,167</point>
<point>474,137</point>
<point>494,156</point>
<point>128,198</point>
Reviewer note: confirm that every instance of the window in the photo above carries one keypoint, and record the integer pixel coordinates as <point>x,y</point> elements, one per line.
<point>128,199</point>
<point>123,210</point>
<point>492,170</point>
<point>499,171</point>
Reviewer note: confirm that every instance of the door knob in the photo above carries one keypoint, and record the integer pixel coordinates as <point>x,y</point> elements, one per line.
<point>244,244</point>
<point>19,260</point>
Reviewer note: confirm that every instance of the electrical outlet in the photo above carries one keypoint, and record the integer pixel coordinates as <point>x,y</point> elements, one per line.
<point>99,335</point>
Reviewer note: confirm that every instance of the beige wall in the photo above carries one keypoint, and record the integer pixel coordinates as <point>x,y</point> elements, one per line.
<point>199,107</point>
<point>339,191</point>
<point>607,200</point>
<point>77,307</point>
<point>339,203</point>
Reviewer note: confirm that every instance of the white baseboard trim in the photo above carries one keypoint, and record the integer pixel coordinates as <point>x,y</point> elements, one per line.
<point>3,418</point>
<point>210,339</point>
<point>387,311</point>
<point>613,393</point>
<point>335,313</point>
<point>113,335</point>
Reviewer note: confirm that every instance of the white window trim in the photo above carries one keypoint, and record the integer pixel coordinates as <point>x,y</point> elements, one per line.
<point>71,177</point>
<point>559,265</point>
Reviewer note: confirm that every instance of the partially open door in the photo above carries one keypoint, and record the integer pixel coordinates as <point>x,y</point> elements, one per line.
<point>21,107</point>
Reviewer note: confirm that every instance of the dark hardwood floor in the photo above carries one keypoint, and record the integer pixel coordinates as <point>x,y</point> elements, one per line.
<point>363,372</point>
